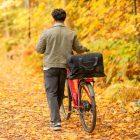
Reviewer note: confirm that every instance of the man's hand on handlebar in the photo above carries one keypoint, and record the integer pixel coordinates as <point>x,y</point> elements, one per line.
<point>87,50</point>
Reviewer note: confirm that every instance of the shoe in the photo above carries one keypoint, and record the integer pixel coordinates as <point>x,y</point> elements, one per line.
<point>56,126</point>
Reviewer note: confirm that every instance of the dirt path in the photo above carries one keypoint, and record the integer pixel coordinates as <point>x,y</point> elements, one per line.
<point>24,114</point>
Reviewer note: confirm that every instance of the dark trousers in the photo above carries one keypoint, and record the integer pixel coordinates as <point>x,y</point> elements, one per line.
<point>54,85</point>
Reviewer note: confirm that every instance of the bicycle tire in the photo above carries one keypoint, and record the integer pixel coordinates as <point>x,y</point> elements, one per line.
<point>65,110</point>
<point>87,128</point>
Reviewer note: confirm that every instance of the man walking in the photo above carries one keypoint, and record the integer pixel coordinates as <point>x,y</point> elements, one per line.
<point>57,44</point>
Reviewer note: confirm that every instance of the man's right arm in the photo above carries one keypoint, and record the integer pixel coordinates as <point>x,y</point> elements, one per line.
<point>77,46</point>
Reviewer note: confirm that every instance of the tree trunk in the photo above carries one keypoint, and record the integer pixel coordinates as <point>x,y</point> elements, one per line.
<point>135,7</point>
<point>29,20</point>
<point>29,25</point>
<point>135,3</point>
<point>7,32</point>
<point>27,5</point>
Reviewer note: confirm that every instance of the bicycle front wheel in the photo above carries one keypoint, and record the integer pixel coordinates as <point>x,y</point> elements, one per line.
<point>87,106</point>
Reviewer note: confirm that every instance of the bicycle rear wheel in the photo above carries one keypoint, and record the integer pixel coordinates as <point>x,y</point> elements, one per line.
<point>66,107</point>
<point>87,106</point>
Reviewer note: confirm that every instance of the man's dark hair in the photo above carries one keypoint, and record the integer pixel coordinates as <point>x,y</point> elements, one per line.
<point>59,14</point>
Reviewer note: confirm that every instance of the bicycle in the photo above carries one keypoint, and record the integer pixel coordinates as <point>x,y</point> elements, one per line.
<point>81,93</point>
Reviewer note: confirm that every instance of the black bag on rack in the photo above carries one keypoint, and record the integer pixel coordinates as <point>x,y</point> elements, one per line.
<point>86,65</point>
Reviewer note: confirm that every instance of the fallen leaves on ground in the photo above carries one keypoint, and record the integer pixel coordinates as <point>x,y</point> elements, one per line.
<point>24,113</point>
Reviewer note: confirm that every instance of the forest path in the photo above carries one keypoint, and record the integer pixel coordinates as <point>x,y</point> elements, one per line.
<point>24,114</point>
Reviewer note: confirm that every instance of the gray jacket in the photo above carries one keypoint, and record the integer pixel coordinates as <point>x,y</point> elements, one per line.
<point>57,44</point>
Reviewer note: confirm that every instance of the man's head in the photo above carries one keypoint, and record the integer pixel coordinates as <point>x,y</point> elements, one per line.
<point>59,15</point>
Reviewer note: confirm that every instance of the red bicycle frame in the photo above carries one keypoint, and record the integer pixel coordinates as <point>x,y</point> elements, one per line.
<point>73,85</point>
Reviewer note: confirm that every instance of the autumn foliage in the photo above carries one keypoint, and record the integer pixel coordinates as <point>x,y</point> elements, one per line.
<point>111,27</point>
